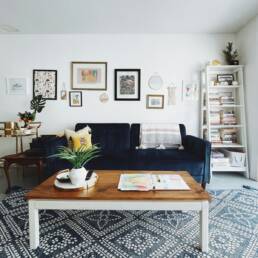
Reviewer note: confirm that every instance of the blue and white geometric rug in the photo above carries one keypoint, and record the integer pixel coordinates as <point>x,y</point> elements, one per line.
<point>233,230</point>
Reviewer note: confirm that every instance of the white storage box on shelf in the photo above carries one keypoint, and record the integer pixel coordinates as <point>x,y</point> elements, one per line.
<point>237,158</point>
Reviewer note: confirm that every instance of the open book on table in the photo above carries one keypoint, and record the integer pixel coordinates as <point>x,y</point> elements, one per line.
<point>147,182</point>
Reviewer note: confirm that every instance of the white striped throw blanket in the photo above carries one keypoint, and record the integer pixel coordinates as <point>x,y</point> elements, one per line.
<point>159,136</point>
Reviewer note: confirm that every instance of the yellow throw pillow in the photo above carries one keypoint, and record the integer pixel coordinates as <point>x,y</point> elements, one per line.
<point>81,133</point>
<point>79,141</point>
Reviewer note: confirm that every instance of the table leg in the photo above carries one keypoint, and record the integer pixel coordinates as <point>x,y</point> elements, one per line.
<point>39,170</point>
<point>6,170</point>
<point>33,225</point>
<point>204,226</point>
<point>21,143</point>
<point>17,144</point>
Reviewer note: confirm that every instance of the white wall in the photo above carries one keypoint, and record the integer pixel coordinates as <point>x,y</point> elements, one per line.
<point>247,41</point>
<point>175,57</point>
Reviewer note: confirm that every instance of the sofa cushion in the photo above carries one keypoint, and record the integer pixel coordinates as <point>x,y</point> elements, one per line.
<point>113,139</point>
<point>169,159</point>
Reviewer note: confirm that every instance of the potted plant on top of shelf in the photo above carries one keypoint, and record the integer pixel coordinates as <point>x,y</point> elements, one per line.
<point>78,158</point>
<point>230,54</point>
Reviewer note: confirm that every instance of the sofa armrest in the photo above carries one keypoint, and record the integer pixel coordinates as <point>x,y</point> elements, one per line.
<point>202,150</point>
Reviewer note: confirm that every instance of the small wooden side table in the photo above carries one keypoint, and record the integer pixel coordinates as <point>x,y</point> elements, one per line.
<point>24,160</point>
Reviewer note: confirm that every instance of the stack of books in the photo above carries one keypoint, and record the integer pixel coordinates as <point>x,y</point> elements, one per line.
<point>214,98</point>
<point>215,117</point>
<point>228,118</point>
<point>221,98</point>
<point>226,98</point>
<point>215,136</point>
<point>219,159</point>
<point>228,135</point>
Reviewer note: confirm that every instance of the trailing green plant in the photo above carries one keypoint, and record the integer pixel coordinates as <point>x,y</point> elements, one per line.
<point>230,54</point>
<point>78,158</point>
<point>37,104</point>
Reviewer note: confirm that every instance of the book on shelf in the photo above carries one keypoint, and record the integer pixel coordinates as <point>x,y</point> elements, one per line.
<point>147,182</point>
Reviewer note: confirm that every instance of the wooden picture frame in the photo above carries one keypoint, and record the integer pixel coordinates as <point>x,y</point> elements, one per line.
<point>89,75</point>
<point>45,83</point>
<point>72,101</point>
<point>152,105</point>
<point>127,84</point>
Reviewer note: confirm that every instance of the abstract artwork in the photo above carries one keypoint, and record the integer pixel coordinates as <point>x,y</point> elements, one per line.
<point>89,75</point>
<point>127,84</point>
<point>75,98</point>
<point>45,83</point>
<point>16,86</point>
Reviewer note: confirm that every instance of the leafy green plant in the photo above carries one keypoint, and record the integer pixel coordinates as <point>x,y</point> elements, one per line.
<point>230,54</point>
<point>78,158</point>
<point>37,104</point>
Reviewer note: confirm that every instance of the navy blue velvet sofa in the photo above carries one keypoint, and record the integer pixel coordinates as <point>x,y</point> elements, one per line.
<point>118,144</point>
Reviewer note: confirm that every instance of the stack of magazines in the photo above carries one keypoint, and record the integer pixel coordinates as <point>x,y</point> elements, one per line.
<point>147,182</point>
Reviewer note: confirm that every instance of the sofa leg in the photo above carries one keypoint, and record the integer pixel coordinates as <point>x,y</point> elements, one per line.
<point>204,185</point>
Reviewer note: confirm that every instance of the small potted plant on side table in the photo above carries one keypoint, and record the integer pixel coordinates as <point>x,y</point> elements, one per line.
<point>78,158</point>
<point>37,104</point>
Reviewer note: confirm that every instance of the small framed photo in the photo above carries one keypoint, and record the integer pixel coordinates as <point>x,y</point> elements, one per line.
<point>155,101</point>
<point>75,99</point>
<point>127,84</point>
<point>16,86</point>
<point>63,95</point>
<point>45,84</point>
<point>225,78</point>
<point>89,75</point>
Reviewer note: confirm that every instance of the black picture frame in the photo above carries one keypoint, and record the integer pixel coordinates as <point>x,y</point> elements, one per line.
<point>55,85</point>
<point>138,97</point>
<point>70,98</point>
<point>229,78</point>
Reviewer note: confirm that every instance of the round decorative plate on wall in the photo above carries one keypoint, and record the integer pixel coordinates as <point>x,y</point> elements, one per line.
<point>155,82</point>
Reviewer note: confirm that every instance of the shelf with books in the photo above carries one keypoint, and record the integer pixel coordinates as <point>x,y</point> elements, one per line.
<point>223,120</point>
<point>228,169</point>
<point>227,145</point>
<point>225,126</point>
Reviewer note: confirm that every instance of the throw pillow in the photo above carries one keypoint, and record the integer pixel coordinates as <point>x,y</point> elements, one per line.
<point>81,133</point>
<point>81,140</point>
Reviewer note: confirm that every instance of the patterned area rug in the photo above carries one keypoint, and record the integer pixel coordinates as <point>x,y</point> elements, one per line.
<point>233,230</point>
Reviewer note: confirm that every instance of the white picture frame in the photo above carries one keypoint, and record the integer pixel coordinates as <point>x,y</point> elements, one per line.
<point>16,86</point>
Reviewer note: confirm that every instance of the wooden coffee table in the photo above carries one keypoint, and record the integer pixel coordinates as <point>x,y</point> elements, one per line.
<point>106,196</point>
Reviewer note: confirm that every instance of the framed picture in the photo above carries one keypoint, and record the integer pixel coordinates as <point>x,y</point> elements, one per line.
<point>190,91</point>
<point>16,86</point>
<point>127,84</point>
<point>225,78</point>
<point>45,84</point>
<point>89,75</point>
<point>63,95</point>
<point>75,99</point>
<point>155,101</point>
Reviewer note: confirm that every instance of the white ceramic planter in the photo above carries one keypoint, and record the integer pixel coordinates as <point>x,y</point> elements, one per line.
<point>78,175</point>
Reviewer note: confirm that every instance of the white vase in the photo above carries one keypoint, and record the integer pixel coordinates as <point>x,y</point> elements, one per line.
<point>78,175</point>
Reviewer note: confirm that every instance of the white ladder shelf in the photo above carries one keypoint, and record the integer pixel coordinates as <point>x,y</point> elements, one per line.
<point>209,74</point>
